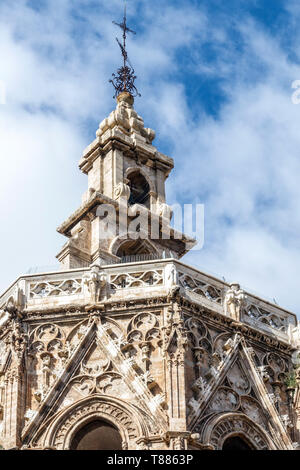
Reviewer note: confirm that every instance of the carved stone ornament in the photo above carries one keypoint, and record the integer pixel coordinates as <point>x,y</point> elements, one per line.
<point>165,211</point>
<point>129,421</point>
<point>235,424</point>
<point>13,307</point>
<point>122,191</point>
<point>125,117</point>
<point>95,280</point>
<point>4,318</point>
<point>234,301</point>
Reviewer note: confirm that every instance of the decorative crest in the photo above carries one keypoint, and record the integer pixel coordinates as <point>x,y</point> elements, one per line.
<point>125,77</point>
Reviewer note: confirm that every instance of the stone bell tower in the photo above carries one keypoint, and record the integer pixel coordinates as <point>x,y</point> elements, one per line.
<point>128,348</point>
<point>127,175</point>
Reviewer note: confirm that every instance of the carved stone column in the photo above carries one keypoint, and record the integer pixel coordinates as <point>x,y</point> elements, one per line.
<point>15,389</point>
<point>175,343</point>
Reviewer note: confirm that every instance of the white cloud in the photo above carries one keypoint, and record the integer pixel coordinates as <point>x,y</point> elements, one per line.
<point>243,164</point>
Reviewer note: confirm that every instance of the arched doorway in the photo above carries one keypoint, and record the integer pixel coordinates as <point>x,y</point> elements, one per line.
<point>221,428</point>
<point>97,435</point>
<point>234,443</point>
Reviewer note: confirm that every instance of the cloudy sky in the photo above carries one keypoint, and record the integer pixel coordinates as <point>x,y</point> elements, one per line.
<point>216,82</point>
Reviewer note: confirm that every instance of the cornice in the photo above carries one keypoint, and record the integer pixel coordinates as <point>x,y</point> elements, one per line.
<point>211,317</point>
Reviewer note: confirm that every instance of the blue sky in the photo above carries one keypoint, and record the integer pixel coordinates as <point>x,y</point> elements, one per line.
<point>215,79</point>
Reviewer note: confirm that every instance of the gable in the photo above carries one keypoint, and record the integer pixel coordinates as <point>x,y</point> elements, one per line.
<point>93,364</point>
<point>238,388</point>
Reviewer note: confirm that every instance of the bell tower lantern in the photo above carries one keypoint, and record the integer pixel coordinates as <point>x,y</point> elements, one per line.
<point>123,169</point>
<point>127,175</point>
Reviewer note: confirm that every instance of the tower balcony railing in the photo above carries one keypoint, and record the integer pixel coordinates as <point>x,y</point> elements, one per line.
<point>137,258</point>
<point>136,277</point>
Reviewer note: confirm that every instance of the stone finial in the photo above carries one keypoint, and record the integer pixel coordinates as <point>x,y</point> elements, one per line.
<point>126,98</point>
<point>125,119</point>
<point>234,300</point>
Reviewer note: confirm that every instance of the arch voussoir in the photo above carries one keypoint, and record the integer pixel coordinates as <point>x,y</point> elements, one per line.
<point>221,427</point>
<point>124,417</point>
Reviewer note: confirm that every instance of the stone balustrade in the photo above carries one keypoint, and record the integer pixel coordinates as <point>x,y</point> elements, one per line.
<point>153,277</point>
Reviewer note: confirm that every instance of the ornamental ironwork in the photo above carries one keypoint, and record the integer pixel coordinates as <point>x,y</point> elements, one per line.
<point>123,80</point>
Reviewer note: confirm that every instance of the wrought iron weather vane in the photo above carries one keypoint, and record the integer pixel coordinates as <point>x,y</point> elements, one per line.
<point>125,77</point>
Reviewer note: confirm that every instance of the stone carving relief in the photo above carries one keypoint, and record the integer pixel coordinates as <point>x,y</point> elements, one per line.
<point>259,316</point>
<point>277,365</point>
<point>264,373</point>
<point>224,400</point>
<point>122,191</point>
<point>73,338</point>
<point>17,341</point>
<point>222,347</point>
<point>238,380</point>
<point>200,343</point>
<point>199,287</point>
<point>96,283</point>
<point>286,421</point>
<point>144,336</point>
<point>55,288</point>
<point>234,393</point>
<point>136,279</point>
<point>209,359</point>
<point>274,371</point>
<point>237,393</point>
<point>109,383</point>
<point>179,443</point>
<point>253,410</point>
<point>46,358</point>
<point>132,357</point>
<point>110,412</point>
<point>234,424</point>
<point>95,372</point>
<point>294,335</point>
<point>12,309</point>
<point>16,303</point>
<point>171,275</point>
<point>175,340</point>
<point>95,362</point>
<point>234,301</point>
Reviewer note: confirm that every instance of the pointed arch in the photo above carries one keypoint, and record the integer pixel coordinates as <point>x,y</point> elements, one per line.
<point>128,420</point>
<point>223,426</point>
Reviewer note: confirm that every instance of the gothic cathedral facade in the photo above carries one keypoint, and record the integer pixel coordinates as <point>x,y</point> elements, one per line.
<point>127,347</point>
